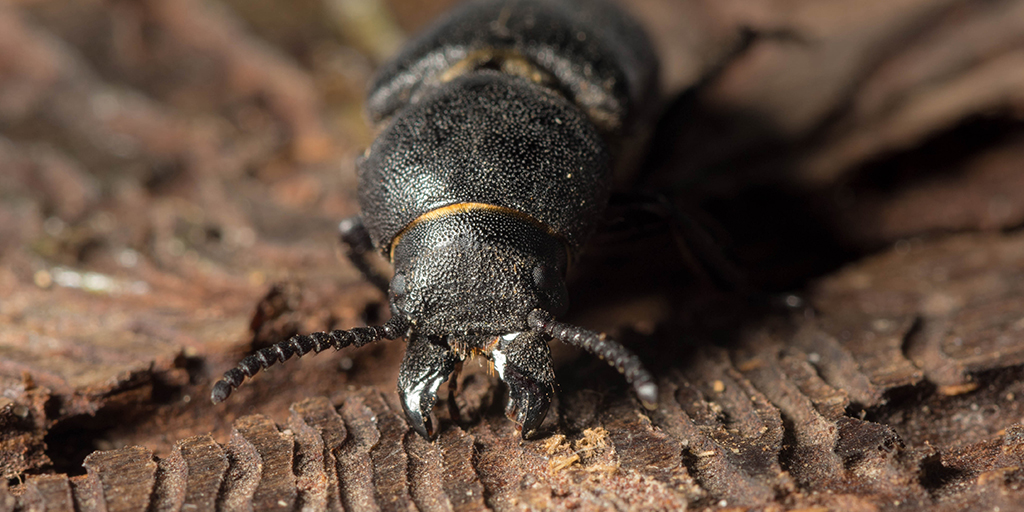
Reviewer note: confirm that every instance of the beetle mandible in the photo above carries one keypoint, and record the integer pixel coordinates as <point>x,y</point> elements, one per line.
<point>491,170</point>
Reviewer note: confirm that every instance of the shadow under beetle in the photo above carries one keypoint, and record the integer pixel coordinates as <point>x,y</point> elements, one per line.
<point>491,170</point>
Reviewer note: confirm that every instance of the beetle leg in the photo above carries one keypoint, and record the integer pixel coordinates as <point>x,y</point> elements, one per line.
<point>358,245</point>
<point>606,348</point>
<point>426,366</point>
<point>523,361</point>
<point>697,243</point>
<point>453,389</point>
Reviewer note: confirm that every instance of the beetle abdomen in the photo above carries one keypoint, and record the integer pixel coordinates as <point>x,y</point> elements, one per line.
<point>598,58</point>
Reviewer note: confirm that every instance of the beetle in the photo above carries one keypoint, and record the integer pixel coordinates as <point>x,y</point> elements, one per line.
<point>492,167</point>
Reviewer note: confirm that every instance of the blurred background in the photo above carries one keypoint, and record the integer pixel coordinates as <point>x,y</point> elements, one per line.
<point>172,173</point>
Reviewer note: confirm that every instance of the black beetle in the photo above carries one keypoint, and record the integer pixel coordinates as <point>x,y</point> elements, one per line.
<point>491,170</point>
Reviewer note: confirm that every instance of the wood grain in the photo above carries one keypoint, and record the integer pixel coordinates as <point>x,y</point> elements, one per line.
<point>171,177</point>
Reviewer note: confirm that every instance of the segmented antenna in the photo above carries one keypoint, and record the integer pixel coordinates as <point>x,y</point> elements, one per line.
<point>600,345</point>
<point>300,345</point>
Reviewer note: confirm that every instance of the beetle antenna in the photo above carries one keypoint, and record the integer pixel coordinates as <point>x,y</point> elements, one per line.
<point>600,345</point>
<point>300,345</point>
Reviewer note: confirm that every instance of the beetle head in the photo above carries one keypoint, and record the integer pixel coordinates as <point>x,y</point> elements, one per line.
<point>477,272</point>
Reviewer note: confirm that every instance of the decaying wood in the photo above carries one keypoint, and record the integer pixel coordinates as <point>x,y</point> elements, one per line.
<point>742,427</point>
<point>169,188</point>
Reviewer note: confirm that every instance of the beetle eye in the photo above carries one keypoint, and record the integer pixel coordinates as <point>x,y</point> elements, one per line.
<point>398,284</point>
<point>545,277</point>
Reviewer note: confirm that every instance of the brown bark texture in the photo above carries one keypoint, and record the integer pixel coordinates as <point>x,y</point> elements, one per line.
<point>836,319</point>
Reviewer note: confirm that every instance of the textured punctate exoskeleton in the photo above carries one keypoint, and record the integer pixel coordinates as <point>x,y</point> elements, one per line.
<point>498,130</point>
